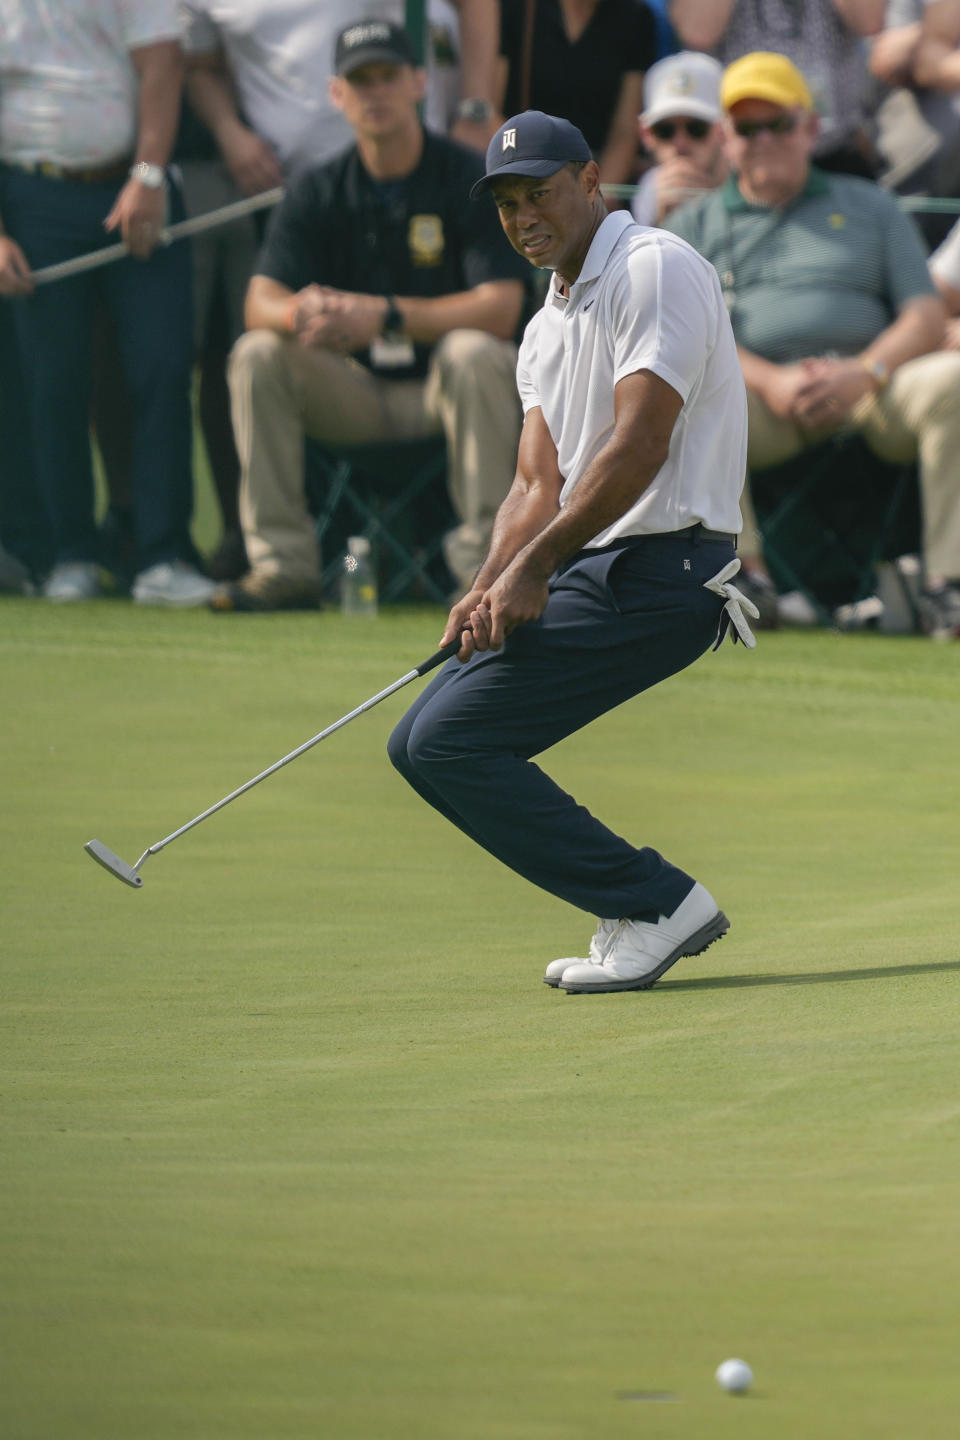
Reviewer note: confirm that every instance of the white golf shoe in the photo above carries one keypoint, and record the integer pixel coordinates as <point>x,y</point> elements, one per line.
<point>72,580</point>
<point>598,945</point>
<point>173,585</point>
<point>638,953</point>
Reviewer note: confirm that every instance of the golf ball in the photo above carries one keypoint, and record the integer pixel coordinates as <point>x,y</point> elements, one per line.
<point>735,1376</point>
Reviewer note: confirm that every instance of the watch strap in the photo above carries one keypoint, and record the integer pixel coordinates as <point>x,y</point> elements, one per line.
<point>393,321</point>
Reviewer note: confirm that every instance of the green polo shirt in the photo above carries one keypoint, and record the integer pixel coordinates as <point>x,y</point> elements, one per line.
<point>822,275</point>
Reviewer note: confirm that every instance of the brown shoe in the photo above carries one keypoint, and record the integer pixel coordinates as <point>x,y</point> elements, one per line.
<point>260,593</point>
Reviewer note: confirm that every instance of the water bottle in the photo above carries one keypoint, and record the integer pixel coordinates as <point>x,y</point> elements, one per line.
<point>358,585</point>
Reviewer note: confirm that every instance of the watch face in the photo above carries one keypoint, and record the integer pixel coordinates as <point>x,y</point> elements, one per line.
<point>152,176</point>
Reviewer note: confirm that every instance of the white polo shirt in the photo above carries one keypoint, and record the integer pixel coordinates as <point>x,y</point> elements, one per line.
<point>68,88</point>
<point>644,300</point>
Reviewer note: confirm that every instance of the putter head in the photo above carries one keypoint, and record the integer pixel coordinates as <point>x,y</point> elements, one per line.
<point>99,852</point>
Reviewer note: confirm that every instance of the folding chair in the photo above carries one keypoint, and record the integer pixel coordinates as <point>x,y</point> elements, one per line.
<point>830,515</point>
<point>396,496</point>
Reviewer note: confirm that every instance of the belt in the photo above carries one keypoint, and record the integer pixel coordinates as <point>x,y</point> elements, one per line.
<point>89,175</point>
<point>696,533</point>
<point>700,532</point>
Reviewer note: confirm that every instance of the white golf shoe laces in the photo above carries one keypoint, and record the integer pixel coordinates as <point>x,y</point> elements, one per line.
<point>598,945</point>
<point>636,953</point>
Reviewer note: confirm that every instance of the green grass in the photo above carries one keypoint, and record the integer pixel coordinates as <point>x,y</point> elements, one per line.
<point>295,1143</point>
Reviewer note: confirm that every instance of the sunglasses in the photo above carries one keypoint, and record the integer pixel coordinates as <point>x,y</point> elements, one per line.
<point>779,125</point>
<point>696,129</point>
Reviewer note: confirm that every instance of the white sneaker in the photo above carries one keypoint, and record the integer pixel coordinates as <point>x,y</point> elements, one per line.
<point>73,580</point>
<point>173,584</point>
<point>794,608</point>
<point>638,953</point>
<point>598,946</point>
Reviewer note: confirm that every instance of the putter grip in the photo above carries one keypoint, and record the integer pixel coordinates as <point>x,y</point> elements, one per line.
<point>447,653</point>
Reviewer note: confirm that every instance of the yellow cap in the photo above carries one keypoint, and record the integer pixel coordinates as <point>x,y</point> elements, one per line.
<point>765,75</point>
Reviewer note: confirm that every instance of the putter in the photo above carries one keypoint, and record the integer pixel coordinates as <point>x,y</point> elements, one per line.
<point>130,874</point>
<point>94,259</point>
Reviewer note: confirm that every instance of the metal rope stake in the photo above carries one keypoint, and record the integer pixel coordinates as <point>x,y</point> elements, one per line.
<point>180,231</point>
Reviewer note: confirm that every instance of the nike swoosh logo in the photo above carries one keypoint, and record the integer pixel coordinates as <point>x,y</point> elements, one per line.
<point>589,303</point>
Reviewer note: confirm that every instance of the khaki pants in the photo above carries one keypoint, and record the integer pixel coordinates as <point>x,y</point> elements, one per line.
<point>281,391</point>
<point>916,417</point>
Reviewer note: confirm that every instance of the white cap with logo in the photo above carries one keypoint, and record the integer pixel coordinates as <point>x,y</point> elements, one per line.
<point>684,84</point>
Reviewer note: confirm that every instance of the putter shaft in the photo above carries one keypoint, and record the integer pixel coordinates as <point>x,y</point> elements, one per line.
<point>130,874</point>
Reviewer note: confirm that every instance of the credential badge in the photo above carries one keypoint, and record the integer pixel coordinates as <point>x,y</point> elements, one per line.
<point>425,236</point>
<point>510,139</point>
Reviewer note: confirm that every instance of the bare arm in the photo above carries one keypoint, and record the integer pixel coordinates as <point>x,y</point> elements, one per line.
<point>645,412</point>
<point>479,43</point>
<point>248,157</point>
<point>618,162</point>
<point>892,54</point>
<point>269,305</point>
<point>863,17</point>
<point>917,330</point>
<point>949,294</point>
<point>139,212</point>
<point>700,23</point>
<point>936,62</point>
<point>16,277</point>
<point>494,307</point>
<point>818,391</point>
<point>531,503</point>
<point>347,322</point>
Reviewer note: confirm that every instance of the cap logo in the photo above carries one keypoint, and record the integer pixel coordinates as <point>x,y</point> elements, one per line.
<point>364,34</point>
<point>509,139</point>
<point>681,83</point>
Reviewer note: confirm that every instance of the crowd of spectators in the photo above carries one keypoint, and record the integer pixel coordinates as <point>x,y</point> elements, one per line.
<point>379,304</point>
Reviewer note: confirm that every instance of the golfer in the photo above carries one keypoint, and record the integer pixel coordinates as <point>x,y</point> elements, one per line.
<point>611,556</point>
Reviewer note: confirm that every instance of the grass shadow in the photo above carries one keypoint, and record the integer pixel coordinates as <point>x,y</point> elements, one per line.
<point>813,977</point>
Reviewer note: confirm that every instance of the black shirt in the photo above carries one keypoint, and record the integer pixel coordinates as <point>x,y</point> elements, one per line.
<point>579,81</point>
<point>419,236</point>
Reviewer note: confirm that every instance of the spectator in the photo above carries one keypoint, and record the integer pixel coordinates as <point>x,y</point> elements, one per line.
<point>681,129</point>
<point>85,155</point>
<point>23,522</point>
<point>257,76</point>
<point>381,310</point>
<point>917,127</point>
<point>823,38</point>
<point>833,310</point>
<point>223,261</point>
<point>585,60</point>
<point>666,40</point>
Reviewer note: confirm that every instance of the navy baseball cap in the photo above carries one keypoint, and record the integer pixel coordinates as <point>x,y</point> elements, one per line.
<point>531,144</point>
<point>371,42</point>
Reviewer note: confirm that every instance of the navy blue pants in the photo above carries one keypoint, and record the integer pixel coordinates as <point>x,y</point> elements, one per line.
<point>151,308</point>
<point>617,621</point>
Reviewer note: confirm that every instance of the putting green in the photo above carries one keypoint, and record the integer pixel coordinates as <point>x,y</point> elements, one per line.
<point>295,1142</point>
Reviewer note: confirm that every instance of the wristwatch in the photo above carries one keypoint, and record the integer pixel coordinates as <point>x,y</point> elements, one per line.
<point>476,111</point>
<point>393,321</point>
<point>878,371</point>
<point>151,177</point>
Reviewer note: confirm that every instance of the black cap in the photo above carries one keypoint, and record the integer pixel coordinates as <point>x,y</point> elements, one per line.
<point>371,42</point>
<point>532,144</point>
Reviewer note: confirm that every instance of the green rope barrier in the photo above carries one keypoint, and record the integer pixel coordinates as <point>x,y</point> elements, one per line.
<point>931,204</point>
